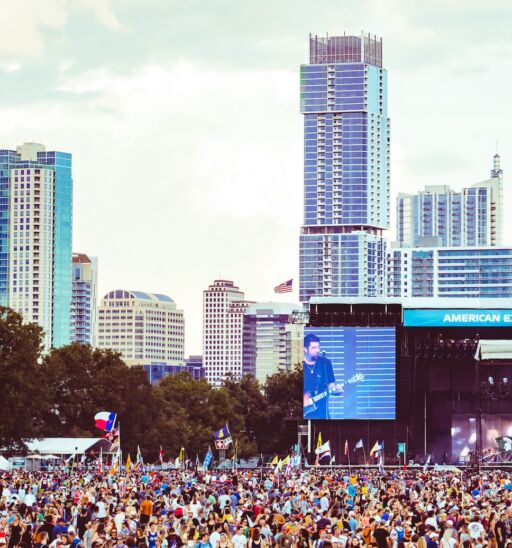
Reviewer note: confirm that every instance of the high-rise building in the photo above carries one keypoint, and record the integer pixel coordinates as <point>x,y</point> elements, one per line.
<point>269,340</point>
<point>481,272</point>
<point>441,217</point>
<point>223,312</point>
<point>84,298</point>
<point>36,194</point>
<point>144,327</point>
<point>346,168</point>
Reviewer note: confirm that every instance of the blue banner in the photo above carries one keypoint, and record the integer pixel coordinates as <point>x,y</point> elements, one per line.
<point>457,318</point>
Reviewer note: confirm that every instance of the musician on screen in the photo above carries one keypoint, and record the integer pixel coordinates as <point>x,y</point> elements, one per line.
<point>319,380</point>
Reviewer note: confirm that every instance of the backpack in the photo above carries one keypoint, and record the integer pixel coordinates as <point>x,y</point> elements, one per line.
<point>400,534</point>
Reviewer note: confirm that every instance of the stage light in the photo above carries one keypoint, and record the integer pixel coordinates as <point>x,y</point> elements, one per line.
<point>505,380</point>
<point>491,381</point>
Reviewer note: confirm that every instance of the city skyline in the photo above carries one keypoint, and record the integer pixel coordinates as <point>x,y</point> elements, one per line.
<point>199,216</point>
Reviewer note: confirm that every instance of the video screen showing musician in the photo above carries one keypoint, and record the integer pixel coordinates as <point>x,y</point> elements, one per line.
<point>319,380</point>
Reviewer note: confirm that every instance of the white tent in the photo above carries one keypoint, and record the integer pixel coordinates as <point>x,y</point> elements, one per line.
<point>493,350</point>
<point>50,447</point>
<point>4,463</point>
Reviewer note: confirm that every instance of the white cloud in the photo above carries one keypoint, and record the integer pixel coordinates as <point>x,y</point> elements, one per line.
<point>26,25</point>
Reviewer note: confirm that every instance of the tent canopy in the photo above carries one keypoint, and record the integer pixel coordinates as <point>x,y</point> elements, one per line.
<point>493,350</point>
<point>67,446</point>
<point>4,463</point>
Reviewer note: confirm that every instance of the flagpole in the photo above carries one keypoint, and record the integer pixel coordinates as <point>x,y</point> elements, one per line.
<point>348,454</point>
<point>364,455</point>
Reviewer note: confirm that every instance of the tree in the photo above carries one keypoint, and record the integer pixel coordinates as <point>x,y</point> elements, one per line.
<point>22,381</point>
<point>283,398</point>
<point>194,409</point>
<point>83,381</point>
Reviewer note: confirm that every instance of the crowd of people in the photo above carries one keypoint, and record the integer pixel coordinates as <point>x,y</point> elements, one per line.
<point>256,509</point>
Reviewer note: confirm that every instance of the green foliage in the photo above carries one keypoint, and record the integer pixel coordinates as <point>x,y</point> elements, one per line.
<point>60,394</point>
<point>22,383</point>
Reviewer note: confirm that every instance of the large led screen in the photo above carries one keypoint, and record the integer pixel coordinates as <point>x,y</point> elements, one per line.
<point>349,372</point>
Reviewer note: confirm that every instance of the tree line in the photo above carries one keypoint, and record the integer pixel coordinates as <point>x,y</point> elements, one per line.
<point>58,393</point>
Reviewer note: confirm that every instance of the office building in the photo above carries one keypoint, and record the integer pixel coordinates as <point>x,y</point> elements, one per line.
<point>346,168</point>
<point>441,216</point>
<point>476,272</point>
<point>157,371</point>
<point>144,327</point>
<point>84,298</point>
<point>223,312</point>
<point>268,339</point>
<point>35,238</point>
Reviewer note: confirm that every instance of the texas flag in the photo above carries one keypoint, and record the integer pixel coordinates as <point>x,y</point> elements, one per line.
<point>105,420</point>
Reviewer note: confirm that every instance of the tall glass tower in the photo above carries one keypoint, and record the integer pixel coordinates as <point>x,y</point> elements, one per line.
<point>346,168</point>
<point>36,196</point>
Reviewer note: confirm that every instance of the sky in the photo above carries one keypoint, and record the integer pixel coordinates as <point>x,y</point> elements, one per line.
<point>183,120</point>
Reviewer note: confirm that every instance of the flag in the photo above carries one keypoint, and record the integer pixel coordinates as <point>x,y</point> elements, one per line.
<point>182,454</point>
<point>105,420</point>
<point>286,460</point>
<point>323,451</point>
<point>223,433</point>
<point>275,460</point>
<point>285,287</point>
<point>400,448</point>
<point>177,462</point>
<point>319,442</point>
<point>333,458</point>
<point>427,462</point>
<point>139,456</point>
<point>375,448</point>
<point>346,447</point>
<point>161,455</point>
<point>280,464</point>
<point>100,462</point>
<point>381,462</point>
<point>208,458</point>
<point>359,444</point>
<point>128,463</point>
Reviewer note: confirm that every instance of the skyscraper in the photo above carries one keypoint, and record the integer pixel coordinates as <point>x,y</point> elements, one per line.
<point>346,168</point>
<point>223,314</point>
<point>441,216</point>
<point>84,299</point>
<point>35,237</point>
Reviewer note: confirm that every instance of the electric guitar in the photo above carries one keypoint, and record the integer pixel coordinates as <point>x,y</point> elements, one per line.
<point>309,400</point>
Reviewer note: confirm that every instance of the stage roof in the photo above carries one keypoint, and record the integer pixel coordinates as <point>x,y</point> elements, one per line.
<point>419,302</point>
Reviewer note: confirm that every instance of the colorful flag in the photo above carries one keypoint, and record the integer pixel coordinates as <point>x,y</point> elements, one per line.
<point>319,442</point>
<point>286,460</point>
<point>105,420</point>
<point>128,463</point>
<point>275,460</point>
<point>182,454</point>
<point>375,448</point>
<point>427,462</point>
<point>400,448</point>
<point>208,458</point>
<point>223,434</point>
<point>139,456</point>
<point>359,444</point>
<point>285,287</point>
<point>323,451</point>
<point>161,455</point>
<point>346,447</point>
